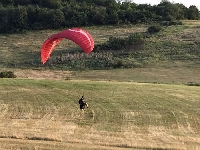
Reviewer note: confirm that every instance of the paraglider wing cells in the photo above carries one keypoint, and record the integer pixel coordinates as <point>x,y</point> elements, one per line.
<point>81,37</point>
<point>47,48</point>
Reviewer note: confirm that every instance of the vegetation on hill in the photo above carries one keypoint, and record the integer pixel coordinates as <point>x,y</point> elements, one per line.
<point>22,15</point>
<point>115,47</point>
<point>131,49</point>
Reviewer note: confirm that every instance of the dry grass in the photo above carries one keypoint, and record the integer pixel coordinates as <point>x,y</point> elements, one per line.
<point>43,74</point>
<point>191,22</point>
<point>44,115</point>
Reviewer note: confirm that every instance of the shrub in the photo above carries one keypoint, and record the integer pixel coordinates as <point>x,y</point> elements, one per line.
<point>118,43</point>
<point>154,29</point>
<point>192,84</point>
<point>7,74</point>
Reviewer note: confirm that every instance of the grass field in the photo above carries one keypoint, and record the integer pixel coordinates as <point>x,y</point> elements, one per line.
<point>153,107</point>
<point>121,115</point>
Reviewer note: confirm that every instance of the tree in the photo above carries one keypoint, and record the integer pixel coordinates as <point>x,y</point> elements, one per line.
<point>193,13</point>
<point>21,2</point>
<point>53,4</point>
<point>13,19</point>
<point>6,2</point>
<point>182,11</point>
<point>168,10</point>
<point>98,16</point>
<point>112,13</point>
<point>55,18</point>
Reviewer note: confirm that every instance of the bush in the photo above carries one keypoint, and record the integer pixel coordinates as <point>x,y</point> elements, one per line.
<point>192,84</point>
<point>7,74</point>
<point>154,29</point>
<point>117,43</point>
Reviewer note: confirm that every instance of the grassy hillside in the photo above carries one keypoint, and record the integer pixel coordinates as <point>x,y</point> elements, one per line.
<point>23,50</point>
<point>174,44</point>
<point>120,115</point>
<point>171,53</point>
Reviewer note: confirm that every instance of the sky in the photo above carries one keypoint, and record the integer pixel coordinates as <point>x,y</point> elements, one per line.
<point>186,3</point>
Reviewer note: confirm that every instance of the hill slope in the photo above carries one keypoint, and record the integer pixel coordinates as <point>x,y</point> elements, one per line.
<point>174,45</point>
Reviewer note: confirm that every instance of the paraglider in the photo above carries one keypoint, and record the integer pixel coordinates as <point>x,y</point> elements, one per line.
<point>81,37</point>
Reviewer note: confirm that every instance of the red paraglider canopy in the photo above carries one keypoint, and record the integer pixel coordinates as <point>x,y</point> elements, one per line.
<point>77,35</point>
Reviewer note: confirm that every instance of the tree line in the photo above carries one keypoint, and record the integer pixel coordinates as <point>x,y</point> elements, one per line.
<point>21,15</point>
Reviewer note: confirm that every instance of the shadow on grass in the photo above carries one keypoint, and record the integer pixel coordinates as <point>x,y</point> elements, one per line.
<point>143,148</point>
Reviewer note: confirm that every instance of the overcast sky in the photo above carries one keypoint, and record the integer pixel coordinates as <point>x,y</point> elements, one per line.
<point>186,3</point>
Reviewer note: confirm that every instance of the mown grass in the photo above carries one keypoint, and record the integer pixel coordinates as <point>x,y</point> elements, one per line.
<point>117,112</point>
<point>170,73</point>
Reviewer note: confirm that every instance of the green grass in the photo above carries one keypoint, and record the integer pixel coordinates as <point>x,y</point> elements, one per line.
<point>115,109</point>
<point>163,73</point>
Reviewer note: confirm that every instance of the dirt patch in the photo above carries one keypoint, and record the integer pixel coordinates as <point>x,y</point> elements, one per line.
<point>43,74</point>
